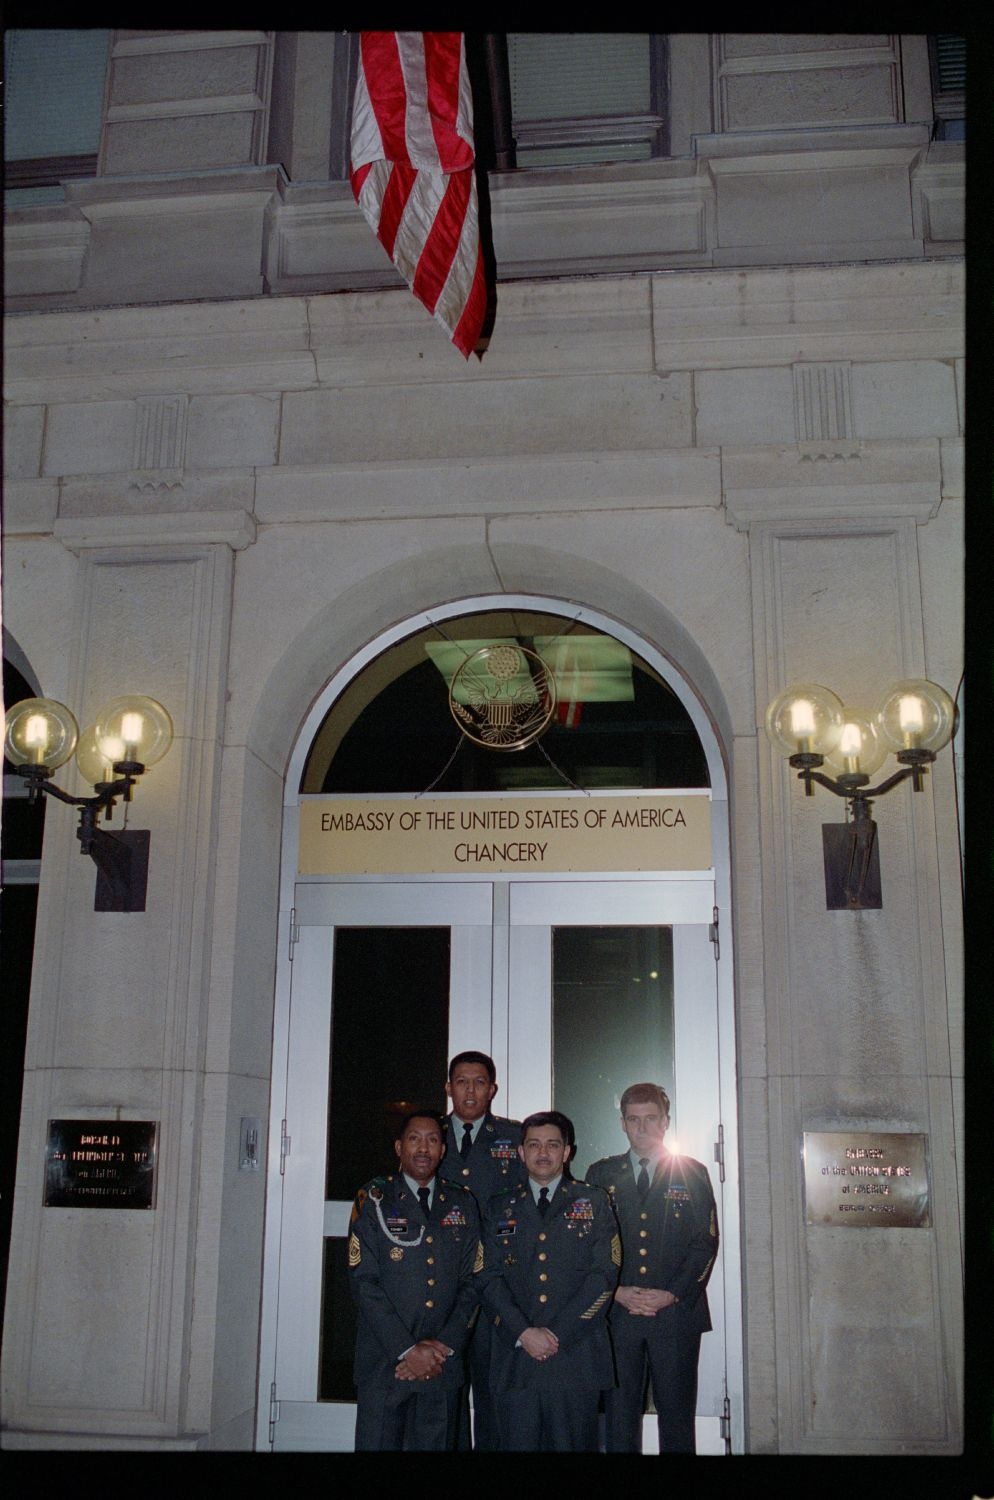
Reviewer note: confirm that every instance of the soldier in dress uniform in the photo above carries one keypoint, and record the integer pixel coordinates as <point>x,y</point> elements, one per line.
<point>669,1238</point>
<point>481,1154</point>
<point>414,1246</point>
<point>550,1264</point>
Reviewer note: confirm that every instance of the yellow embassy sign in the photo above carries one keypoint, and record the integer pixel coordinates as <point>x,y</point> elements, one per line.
<point>461,835</point>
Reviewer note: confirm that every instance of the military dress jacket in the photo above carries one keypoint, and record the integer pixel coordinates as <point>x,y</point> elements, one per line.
<point>411,1276</point>
<point>668,1241</point>
<point>492,1165</point>
<point>556,1271</point>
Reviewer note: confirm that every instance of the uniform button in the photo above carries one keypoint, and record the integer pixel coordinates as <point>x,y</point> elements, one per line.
<point>643,1270</point>
<point>542,1297</point>
<point>643,1216</point>
<point>431,1260</point>
<point>431,1281</point>
<point>543,1276</point>
<point>643,1251</point>
<point>542,1235</point>
<point>465,1171</point>
<point>643,1234</point>
<point>542,1255</point>
<point>429,1303</point>
<point>428,1239</point>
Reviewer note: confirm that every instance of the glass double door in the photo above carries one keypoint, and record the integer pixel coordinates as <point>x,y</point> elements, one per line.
<point>575,988</point>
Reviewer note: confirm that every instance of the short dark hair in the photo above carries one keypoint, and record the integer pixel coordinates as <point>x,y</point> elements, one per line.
<point>474,1057</point>
<point>420,1114</point>
<point>551,1117</point>
<point>646,1093</point>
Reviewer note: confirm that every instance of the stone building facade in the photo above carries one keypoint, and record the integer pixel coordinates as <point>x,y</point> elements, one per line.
<point>722,414</point>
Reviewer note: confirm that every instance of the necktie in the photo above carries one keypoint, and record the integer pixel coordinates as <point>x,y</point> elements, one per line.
<point>642,1181</point>
<point>423,1199</point>
<point>466,1142</point>
<point>543,1201</point>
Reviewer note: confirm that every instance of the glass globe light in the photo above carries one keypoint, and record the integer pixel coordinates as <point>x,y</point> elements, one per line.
<point>40,732</point>
<point>96,764</point>
<point>860,750</point>
<point>139,726</point>
<point>805,720</point>
<point>916,715</point>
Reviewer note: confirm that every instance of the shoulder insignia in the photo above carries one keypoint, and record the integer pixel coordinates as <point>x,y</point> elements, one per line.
<point>478,1263</point>
<point>360,1199</point>
<point>355,1254</point>
<point>616,1250</point>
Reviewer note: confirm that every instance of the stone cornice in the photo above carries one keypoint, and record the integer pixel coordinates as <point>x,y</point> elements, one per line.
<point>158,533</point>
<point>706,319</point>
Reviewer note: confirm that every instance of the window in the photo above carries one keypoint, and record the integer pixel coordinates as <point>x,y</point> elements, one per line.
<point>562,98</point>
<point>947,60</point>
<point>585,97</point>
<point>54,82</point>
<point>617,723</point>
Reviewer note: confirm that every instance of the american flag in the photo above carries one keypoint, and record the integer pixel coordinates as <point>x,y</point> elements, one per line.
<point>412,171</point>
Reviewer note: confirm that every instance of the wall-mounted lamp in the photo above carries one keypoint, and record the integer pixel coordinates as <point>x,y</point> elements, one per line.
<point>129,735</point>
<point>808,723</point>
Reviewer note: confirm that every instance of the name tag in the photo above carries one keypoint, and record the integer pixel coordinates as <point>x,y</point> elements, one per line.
<point>397,1226</point>
<point>507,1226</point>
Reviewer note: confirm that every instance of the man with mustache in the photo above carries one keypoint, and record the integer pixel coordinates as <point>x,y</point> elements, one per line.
<point>414,1245</point>
<point>551,1258</point>
<point>669,1237</point>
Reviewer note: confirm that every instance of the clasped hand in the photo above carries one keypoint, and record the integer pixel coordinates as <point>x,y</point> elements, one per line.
<point>643,1301</point>
<point>424,1362</point>
<point>540,1343</point>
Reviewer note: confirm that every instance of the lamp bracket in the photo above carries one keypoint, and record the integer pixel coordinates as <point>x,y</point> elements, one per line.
<point>122,868</point>
<point>852,864</point>
<point>121,858</point>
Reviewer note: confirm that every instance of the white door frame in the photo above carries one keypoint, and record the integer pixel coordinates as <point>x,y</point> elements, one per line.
<point>721,856</point>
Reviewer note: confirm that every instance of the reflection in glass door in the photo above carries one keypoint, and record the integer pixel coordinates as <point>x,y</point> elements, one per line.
<point>630,996</point>
<point>612,1025</point>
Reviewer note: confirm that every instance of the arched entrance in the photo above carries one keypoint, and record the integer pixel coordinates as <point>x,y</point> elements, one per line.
<point>538,966</point>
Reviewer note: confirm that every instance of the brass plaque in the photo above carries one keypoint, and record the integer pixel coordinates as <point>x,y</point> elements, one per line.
<point>100,1164</point>
<point>500,835</point>
<point>864,1179</point>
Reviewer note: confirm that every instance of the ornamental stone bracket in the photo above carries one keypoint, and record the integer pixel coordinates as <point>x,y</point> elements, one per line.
<point>880,480</point>
<point>823,411</point>
<point>160,443</point>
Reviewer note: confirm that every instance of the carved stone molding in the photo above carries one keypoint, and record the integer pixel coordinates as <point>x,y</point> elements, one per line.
<point>823,411</point>
<point>160,443</point>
